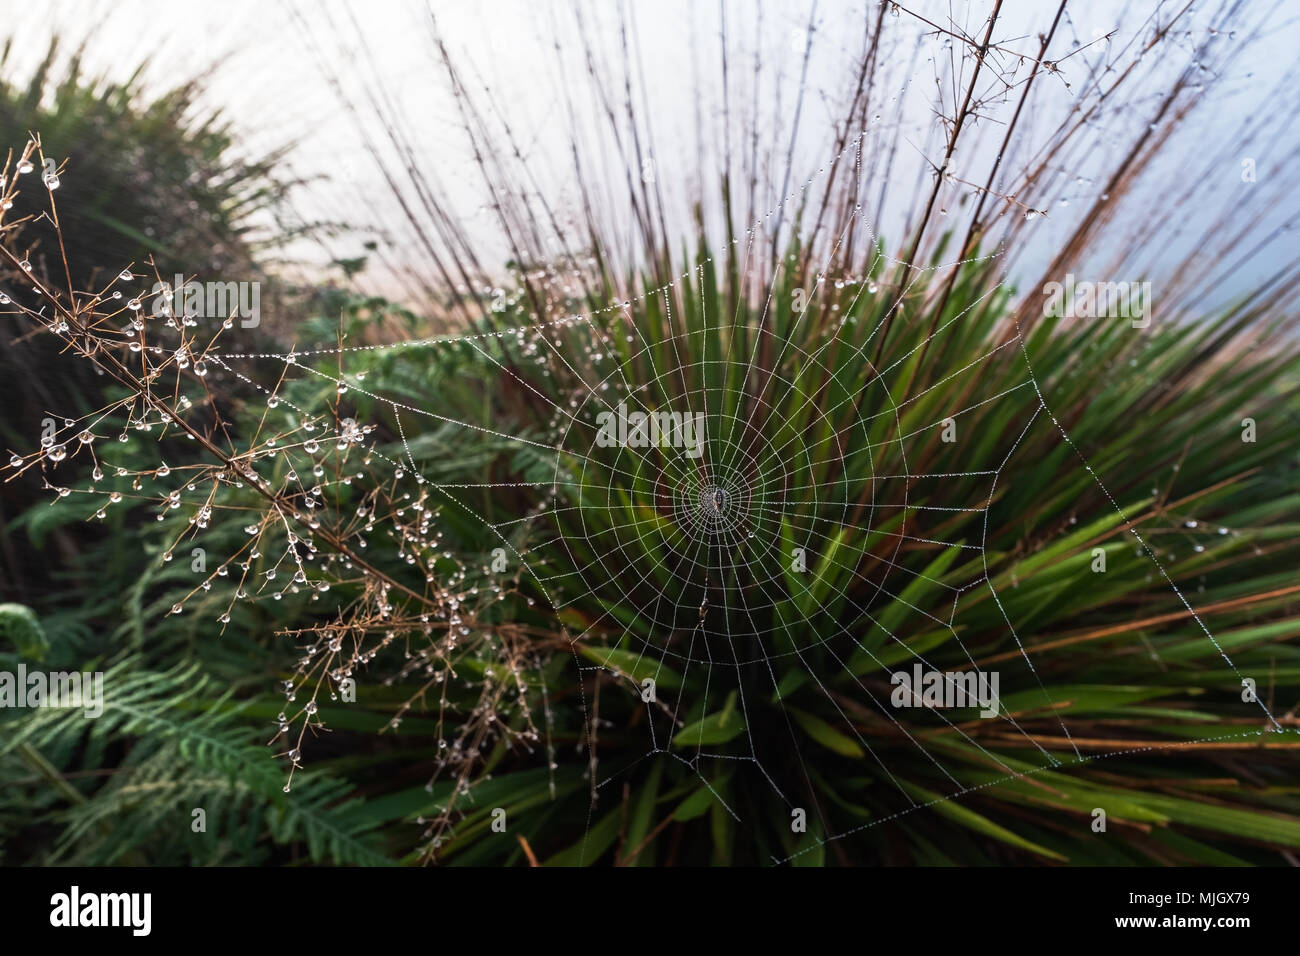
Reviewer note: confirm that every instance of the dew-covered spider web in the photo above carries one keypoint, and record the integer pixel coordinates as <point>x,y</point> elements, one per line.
<point>730,513</point>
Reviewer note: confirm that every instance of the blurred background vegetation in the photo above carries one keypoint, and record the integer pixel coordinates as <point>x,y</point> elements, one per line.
<point>157,182</point>
<point>158,185</point>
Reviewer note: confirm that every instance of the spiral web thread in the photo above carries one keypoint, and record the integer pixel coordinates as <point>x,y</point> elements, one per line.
<point>720,517</point>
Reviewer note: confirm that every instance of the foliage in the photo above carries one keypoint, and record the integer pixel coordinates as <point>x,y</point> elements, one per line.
<point>148,180</point>
<point>330,520</point>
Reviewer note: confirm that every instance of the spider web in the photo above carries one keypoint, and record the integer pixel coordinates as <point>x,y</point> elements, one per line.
<point>699,541</point>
